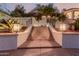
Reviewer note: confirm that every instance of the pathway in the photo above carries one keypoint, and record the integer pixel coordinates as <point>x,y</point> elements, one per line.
<point>40,38</point>
<point>41,52</point>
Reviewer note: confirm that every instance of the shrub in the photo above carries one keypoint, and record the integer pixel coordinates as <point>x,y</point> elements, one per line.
<point>76,24</point>
<point>7,24</point>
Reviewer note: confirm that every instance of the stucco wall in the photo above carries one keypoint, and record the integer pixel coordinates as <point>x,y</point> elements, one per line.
<point>23,36</point>
<point>10,41</point>
<point>70,40</point>
<point>66,39</point>
<point>57,35</point>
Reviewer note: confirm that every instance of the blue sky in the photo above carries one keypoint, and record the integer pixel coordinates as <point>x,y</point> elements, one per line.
<point>11,6</point>
<point>30,6</point>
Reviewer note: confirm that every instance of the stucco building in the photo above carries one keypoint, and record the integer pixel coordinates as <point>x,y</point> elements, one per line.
<point>72,13</point>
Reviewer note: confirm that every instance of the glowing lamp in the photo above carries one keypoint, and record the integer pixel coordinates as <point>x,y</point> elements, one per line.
<point>43,17</point>
<point>16,27</point>
<point>63,27</point>
<point>48,16</point>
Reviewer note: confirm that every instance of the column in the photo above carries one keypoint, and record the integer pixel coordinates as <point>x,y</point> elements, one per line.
<point>73,15</point>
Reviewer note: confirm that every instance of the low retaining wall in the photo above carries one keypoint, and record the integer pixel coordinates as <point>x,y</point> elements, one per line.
<point>10,41</point>
<point>70,39</point>
<point>66,39</point>
<point>23,36</point>
<point>56,35</point>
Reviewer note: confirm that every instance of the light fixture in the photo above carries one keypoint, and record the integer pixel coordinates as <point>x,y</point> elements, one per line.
<point>43,17</point>
<point>16,27</point>
<point>48,16</point>
<point>63,27</point>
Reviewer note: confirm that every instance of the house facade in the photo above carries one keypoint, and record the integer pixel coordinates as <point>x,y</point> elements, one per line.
<point>72,13</point>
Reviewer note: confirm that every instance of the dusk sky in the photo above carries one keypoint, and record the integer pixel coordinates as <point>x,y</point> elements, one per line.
<point>30,6</point>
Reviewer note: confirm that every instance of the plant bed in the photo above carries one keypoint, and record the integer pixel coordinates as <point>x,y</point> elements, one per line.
<point>67,30</point>
<point>7,31</point>
<point>23,29</point>
<point>66,39</point>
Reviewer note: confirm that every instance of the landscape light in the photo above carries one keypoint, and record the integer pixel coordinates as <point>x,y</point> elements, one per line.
<point>43,17</point>
<point>63,27</point>
<point>16,27</point>
<point>48,16</point>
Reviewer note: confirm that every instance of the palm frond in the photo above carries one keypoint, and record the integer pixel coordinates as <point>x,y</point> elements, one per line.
<point>3,25</point>
<point>1,28</point>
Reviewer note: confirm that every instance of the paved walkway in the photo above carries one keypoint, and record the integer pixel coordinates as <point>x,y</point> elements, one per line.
<point>40,38</point>
<point>42,52</point>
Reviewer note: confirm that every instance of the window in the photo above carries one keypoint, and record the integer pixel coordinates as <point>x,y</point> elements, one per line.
<point>69,15</point>
<point>76,14</point>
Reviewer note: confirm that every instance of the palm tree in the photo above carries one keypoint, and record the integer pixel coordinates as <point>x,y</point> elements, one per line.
<point>45,10</point>
<point>19,11</point>
<point>62,17</point>
<point>50,10</point>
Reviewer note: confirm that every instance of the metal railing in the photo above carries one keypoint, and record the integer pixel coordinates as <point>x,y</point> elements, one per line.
<point>25,21</point>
